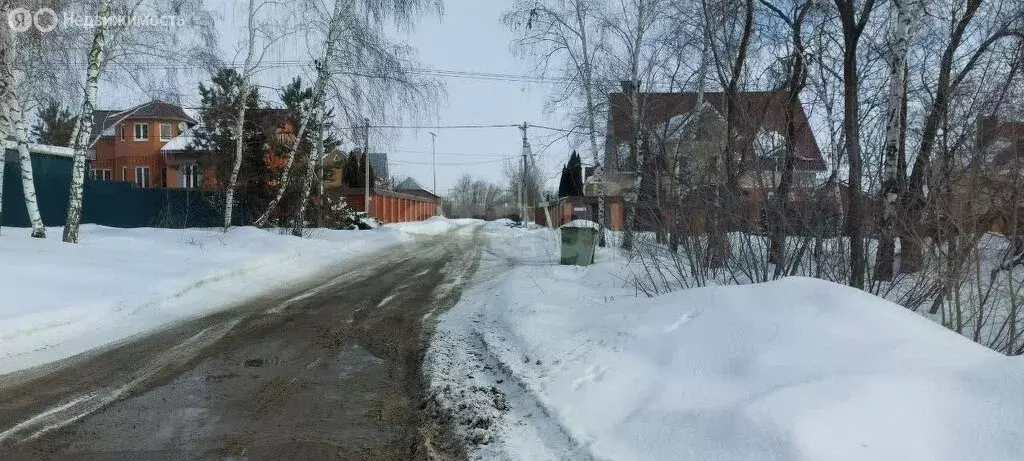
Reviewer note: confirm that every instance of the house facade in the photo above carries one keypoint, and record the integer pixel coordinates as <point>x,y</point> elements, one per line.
<point>991,187</point>
<point>129,146</point>
<point>683,136</point>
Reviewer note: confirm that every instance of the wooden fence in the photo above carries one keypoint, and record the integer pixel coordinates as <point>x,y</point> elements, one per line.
<point>388,206</point>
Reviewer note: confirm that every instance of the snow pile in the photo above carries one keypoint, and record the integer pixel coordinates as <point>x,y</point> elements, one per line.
<point>431,226</point>
<point>798,369</point>
<point>582,224</point>
<point>61,299</point>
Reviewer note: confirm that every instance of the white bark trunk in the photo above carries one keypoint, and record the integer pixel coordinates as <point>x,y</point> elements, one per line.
<point>243,97</point>
<point>299,222</point>
<point>319,89</point>
<point>80,140</point>
<point>6,90</point>
<point>17,118</point>
<point>229,198</point>
<point>627,237</point>
<point>906,17</point>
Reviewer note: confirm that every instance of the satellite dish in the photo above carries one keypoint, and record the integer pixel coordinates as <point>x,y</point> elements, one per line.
<point>182,127</point>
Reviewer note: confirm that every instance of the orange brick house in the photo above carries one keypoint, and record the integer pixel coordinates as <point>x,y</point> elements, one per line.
<point>150,145</point>
<point>128,146</point>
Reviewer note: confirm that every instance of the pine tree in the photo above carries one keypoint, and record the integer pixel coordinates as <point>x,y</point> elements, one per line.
<point>563,182</point>
<point>54,126</point>
<point>574,186</point>
<point>353,173</point>
<point>214,139</point>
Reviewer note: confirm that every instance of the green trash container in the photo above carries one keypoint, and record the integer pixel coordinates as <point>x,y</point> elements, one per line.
<point>579,242</point>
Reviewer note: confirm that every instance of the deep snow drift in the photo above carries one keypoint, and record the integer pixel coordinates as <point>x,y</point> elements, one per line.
<point>557,362</point>
<point>60,299</point>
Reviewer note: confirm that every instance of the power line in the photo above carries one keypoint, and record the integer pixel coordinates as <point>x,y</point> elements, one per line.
<point>454,154</point>
<point>485,162</point>
<point>439,127</point>
<point>296,64</point>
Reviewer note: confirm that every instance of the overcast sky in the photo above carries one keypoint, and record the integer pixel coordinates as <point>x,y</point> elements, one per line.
<point>469,37</point>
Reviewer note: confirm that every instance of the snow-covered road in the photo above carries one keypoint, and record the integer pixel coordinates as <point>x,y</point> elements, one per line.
<point>57,299</point>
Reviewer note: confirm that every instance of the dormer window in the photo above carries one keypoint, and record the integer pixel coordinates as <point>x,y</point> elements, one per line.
<point>142,132</point>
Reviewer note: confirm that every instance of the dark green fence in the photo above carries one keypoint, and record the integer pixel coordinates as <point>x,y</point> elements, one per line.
<point>109,203</point>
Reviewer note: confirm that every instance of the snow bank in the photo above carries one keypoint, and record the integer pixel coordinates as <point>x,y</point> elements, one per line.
<point>61,299</point>
<point>561,362</point>
<point>582,223</point>
<point>431,226</point>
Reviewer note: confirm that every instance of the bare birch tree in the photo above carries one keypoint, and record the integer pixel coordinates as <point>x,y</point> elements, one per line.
<point>902,30</point>
<point>564,34</point>
<point>635,28</point>
<point>84,127</point>
<point>14,115</point>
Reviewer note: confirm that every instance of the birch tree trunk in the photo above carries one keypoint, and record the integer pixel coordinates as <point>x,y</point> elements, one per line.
<point>28,187</point>
<point>299,222</point>
<point>319,90</point>
<point>15,117</point>
<point>229,199</point>
<point>83,129</point>
<point>588,92</point>
<point>906,16</point>
<point>640,146</point>
<point>243,99</point>
<point>6,91</point>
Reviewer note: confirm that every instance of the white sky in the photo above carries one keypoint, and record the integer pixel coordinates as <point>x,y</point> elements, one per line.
<point>470,37</point>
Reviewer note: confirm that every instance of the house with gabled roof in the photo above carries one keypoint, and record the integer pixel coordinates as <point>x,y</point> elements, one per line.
<point>129,146</point>
<point>683,134</point>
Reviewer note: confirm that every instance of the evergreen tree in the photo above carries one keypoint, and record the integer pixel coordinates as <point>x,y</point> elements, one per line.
<point>563,182</point>
<point>54,126</point>
<point>214,142</point>
<point>574,187</point>
<point>571,183</point>
<point>353,173</point>
<point>298,100</point>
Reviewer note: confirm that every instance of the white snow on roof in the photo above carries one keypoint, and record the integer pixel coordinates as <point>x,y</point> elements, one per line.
<point>178,143</point>
<point>582,224</point>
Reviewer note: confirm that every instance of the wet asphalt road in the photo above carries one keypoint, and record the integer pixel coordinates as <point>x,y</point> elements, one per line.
<point>328,370</point>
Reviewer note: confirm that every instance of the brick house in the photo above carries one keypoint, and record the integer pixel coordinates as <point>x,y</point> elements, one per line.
<point>681,137</point>
<point>130,146</point>
<point>992,186</point>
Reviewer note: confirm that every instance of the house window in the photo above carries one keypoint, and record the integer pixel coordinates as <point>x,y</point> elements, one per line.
<point>165,131</point>
<point>141,131</point>
<point>124,173</point>
<point>101,174</point>
<point>190,176</point>
<point>122,132</point>
<point>142,176</point>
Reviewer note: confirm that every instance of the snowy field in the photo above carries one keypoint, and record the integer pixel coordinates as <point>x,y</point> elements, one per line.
<point>547,362</point>
<point>57,299</point>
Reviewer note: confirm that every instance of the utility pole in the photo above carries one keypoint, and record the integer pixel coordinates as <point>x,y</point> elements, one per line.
<point>366,167</point>
<point>522,181</point>
<point>320,164</point>
<point>433,169</point>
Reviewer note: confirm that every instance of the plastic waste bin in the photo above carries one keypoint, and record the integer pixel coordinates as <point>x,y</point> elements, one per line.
<point>579,242</point>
